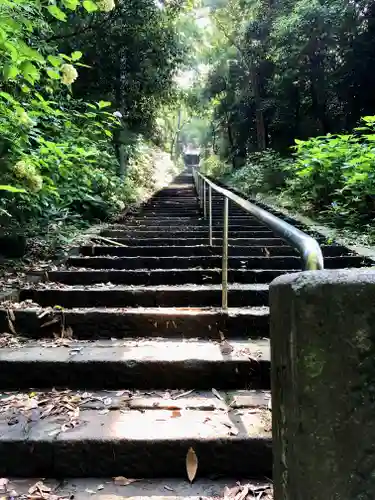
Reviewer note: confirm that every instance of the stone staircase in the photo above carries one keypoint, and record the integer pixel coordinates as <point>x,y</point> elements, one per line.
<point>123,359</point>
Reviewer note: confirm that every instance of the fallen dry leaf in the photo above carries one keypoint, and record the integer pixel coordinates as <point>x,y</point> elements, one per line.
<point>176,413</point>
<point>11,314</point>
<point>168,488</point>
<point>40,488</point>
<point>51,322</point>
<point>191,464</point>
<point>183,394</point>
<point>11,327</point>
<point>216,393</point>
<point>123,481</point>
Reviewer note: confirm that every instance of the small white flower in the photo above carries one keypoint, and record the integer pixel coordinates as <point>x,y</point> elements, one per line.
<point>69,74</point>
<point>106,5</point>
<point>117,114</point>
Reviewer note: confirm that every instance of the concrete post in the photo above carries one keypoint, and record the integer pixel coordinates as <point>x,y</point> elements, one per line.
<point>323,385</point>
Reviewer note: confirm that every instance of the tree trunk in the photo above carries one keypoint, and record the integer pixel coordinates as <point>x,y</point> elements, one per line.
<point>231,142</point>
<point>177,137</point>
<point>259,116</point>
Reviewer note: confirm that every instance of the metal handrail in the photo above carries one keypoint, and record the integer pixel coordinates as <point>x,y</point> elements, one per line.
<point>307,246</point>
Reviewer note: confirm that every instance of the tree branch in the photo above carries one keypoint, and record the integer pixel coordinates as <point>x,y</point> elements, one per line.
<point>78,32</point>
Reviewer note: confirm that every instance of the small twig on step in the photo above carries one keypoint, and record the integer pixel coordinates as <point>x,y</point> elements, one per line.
<point>112,242</point>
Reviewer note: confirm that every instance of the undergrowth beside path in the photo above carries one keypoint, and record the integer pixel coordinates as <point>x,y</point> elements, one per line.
<point>329,179</point>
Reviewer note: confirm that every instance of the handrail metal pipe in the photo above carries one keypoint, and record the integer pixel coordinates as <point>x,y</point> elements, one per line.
<point>307,246</point>
<point>204,201</point>
<point>210,215</point>
<point>224,268</point>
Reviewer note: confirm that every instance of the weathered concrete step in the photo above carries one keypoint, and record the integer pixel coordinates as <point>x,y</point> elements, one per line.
<point>184,211</point>
<point>182,233</point>
<point>198,226</point>
<point>167,213</point>
<point>178,262</point>
<point>175,220</point>
<point>257,239</point>
<point>146,296</point>
<point>171,194</point>
<point>107,323</point>
<point>146,489</point>
<point>166,399</point>
<point>202,251</point>
<point>137,364</point>
<point>194,230</point>
<point>187,251</point>
<point>146,444</point>
<point>163,276</point>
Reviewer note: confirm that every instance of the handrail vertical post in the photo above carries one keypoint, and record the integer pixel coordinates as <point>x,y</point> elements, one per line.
<point>224,279</point>
<point>204,200</point>
<point>210,214</point>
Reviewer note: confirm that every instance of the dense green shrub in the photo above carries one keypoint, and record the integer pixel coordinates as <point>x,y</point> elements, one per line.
<point>334,175</point>
<point>263,172</point>
<point>58,159</point>
<point>214,166</point>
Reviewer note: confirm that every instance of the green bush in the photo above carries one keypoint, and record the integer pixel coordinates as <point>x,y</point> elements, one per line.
<point>263,172</point>
<point>63,158</point>
<point>58,160</point>
<point>334,175</point>
<point>213,166</point>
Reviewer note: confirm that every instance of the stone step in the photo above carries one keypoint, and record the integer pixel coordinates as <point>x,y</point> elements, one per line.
<point>166,228</point>
<point>199,225</point>
<point>136,364</point>
<point>103,295</point>
<point>107,323</point>
<point>178,262</point>
<point>246,219</point>
<point>147,489</point>
<point>257,239</point>
<point>179,213</point>
<point>183,233</point>
<point>184,211</point>
<point>148,399</point>
<point>201,251</point>
<point>163,276</point>
<point>130,443</point>
<point>181,251</point>
<point>182,262</point>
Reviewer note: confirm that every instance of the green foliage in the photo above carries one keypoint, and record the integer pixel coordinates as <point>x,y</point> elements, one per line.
<point>286,69</point>
<point>262,173</point>
<point>134,64</point>
<point>58,152</point>
<point>334,175</point>
<point>331,177</point>
<point>213,166</point>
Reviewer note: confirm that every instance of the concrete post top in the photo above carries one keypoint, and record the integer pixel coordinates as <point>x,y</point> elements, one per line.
<point>365,276</point>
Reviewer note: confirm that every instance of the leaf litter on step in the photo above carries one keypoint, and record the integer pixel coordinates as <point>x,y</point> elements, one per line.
<point>191,464</point>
